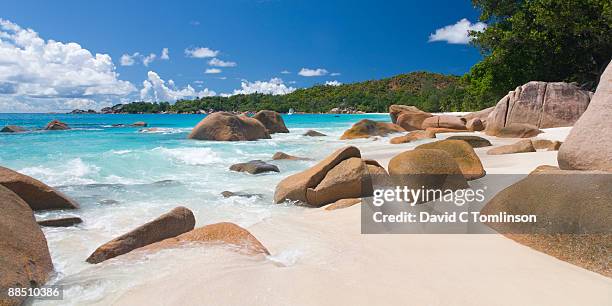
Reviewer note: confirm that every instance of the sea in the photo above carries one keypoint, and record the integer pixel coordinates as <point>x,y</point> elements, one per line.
<point>125,176</point>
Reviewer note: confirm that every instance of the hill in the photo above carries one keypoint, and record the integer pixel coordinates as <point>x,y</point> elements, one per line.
<point>428,91</point>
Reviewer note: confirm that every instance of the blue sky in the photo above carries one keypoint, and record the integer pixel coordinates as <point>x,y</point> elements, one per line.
<point>251,44</point>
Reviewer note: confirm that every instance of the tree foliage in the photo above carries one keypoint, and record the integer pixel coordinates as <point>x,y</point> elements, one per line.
<point>543,40</point>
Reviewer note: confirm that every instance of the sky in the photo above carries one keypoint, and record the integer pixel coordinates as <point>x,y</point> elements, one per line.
<point>62,55</point>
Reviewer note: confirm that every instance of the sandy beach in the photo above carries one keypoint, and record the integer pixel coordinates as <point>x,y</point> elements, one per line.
<point>320,257</point>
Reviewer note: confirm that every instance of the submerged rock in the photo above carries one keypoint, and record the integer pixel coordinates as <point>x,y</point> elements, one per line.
<point>25,261</point>
<point>12,129</point>
<point>179,220</point>
<point>313,133</point>
<point>368,128</point>
<point>36,194</point>
<point>254,167</point>
<point>229,194</point>
<point>57,125</point>
<point>61,222</point>
<point>272,120</point>
<point>224,126</point>
<point>140,124</point>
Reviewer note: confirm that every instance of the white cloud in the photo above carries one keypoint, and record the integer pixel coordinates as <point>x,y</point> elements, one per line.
<point>457,33</point>
<point>312,72</point>
<point>212,71</point>
<point>333,83</point>
<point>201,52</point>
<point>285,72</point>
<point>274,87</point>
<point>215,62</point>
<point>39,75</point>
<point>164,54</point>
<point>148,59</point>
<point>335,74</point>
<point>155,89</point>
<point>128,60</point>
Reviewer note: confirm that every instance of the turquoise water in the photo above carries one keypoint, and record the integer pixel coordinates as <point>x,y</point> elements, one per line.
<point>125,176</point>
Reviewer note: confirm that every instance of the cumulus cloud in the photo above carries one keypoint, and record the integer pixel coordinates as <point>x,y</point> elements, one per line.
<point>46,75</point>
<point>312,72</point>
<point>457,33</point>
<point>285,72</point>
<point>335,74</point>
<point>164,54</point>
<point>333,83</point>
<point>148,59</point>
<point>129,60</point>
<point>275,86</point>
<point>201,52</point>
<point>156,89</point>
<point>212,71</point>
<point>215,62</point>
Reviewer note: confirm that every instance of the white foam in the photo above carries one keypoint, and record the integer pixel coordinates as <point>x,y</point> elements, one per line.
<point>73,172</point>
<point>121,152</point>
<point>190,156</point>
<point>286,258</point>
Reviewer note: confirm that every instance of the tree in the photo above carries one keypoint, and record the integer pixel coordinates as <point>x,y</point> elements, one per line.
<point>539,40</point>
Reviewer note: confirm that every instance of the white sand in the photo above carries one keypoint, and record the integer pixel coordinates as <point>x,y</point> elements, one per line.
<point>320,258</point>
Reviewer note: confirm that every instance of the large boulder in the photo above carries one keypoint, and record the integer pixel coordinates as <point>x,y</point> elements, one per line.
<point>445,121</point>
<point>426,168</point>
<point>12,129</point>
<point>37,194</point>
<point>475,125</point>
<point>445,130</point>
<point>463,153</point>
<point>589,144</point>
<point>573,211</point>
<point>254,167</point>
<point>367,128</point>
<point>294,187</point>
<point>518,130</point>
<point>224,126</point>
<point>408,117</point>
<point>179,220</point>
<point>224,232</point>
<point>412,136</point>
<point>345,180</point>
<point>140,124</point>
<point>521,146</point>
<point>57,125</point>
<point>541,104</point>
<point>474,141</point>
<point>25,261</point>
<point>272,120</point>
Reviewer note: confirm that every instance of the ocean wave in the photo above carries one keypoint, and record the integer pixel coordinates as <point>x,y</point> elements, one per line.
<point>286,258</point>
<point>121,152</point>
<point>73,172</point>
<point>158,130</point>
<point>190,156</point>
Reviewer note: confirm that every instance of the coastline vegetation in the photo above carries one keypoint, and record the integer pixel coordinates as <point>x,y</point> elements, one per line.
<point>543,40</point>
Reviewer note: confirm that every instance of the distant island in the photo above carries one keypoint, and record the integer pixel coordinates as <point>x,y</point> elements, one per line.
<point>428,91</point>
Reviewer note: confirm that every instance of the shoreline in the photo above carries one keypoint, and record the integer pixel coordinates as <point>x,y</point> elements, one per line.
<point>419,266</point>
